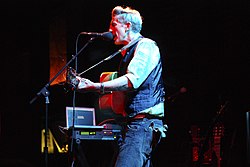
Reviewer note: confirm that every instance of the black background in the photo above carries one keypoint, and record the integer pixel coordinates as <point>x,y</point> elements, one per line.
<point>204,46</point>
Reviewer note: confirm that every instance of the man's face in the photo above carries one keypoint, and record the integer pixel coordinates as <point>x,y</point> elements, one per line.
<point>119,31</point>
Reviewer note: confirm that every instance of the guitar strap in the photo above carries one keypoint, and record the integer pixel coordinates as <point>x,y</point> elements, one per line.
<point>131,43</point>
<point>123,48</point>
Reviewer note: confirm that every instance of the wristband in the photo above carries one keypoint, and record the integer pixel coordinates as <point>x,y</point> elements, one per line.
<point>102,88</point>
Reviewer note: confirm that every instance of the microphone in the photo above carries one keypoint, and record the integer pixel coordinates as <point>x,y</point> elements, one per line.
<point>108,36</point>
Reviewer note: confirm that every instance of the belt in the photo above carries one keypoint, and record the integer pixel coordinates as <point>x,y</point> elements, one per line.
<point>142,115</point>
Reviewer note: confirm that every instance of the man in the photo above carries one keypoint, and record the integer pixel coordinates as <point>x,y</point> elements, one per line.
<point>140,79</point>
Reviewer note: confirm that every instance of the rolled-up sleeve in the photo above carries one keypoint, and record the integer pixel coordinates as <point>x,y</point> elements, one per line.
<point>146,57</point>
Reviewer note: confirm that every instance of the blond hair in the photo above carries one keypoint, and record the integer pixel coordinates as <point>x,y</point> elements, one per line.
<point>127,14</point>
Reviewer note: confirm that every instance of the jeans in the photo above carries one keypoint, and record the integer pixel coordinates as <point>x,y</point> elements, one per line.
<point>137,143</point>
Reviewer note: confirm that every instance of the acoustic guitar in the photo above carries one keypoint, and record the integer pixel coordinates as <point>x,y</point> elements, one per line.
<point>109,100</point>
<point>113,100</point>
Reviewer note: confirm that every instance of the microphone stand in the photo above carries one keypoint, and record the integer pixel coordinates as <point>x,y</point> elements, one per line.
<point>82,157</point>
<point>44,91</point>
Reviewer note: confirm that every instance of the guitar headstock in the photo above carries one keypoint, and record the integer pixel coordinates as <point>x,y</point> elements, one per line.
<point>218,130</point>
<point>71,79</point>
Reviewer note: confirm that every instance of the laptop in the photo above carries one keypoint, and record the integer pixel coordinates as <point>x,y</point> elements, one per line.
<point>84,117</point>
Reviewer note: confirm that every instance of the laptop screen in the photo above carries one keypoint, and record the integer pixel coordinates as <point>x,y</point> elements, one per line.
<point>83,116</point>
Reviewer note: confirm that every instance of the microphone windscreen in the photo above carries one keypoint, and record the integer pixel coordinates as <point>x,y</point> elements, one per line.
<point>107,36</point>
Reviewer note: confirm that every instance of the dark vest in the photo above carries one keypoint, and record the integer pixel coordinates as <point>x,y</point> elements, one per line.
<point>151,91</point>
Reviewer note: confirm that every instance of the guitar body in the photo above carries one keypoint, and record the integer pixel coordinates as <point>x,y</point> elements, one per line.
<point>113,100</point>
